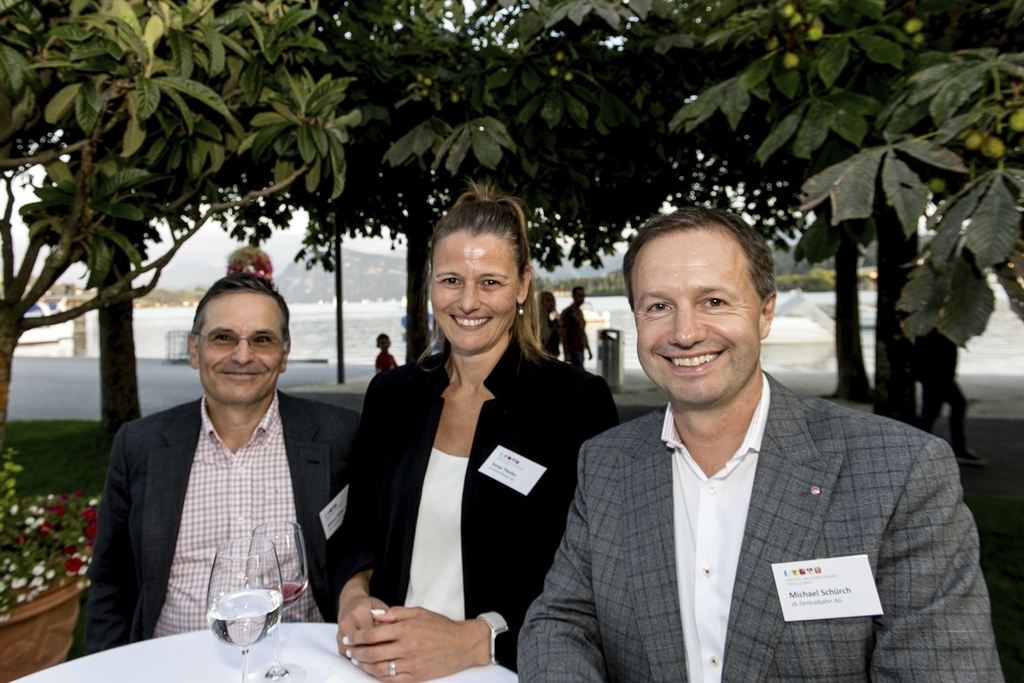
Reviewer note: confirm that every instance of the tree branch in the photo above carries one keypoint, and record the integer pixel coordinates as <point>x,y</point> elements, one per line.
<point>104,297</point>
<point>43,158</point>
<point>5,236</point>
<point>28,263</point>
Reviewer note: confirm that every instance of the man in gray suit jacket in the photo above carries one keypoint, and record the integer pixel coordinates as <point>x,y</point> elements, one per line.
<point>185,480</point>
<point>687,522</point>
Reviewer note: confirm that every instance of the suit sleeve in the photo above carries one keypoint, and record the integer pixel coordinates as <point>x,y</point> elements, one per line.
<point>560,641</point>
<point>113,593</point>
<point>937,623</point>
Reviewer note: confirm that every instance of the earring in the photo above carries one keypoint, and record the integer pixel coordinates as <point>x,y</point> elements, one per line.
<point>520,309</point>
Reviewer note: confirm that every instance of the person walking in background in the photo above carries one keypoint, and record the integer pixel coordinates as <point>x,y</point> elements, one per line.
<point>385,361</point>
<point>935,366</point>
<point>574,332</point>
<point>550,333</point>
<point>457,503</point>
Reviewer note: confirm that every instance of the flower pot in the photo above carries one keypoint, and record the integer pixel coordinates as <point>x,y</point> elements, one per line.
<point>39,633</point>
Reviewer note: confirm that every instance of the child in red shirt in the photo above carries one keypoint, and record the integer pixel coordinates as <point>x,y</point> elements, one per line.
<point>385,361</point>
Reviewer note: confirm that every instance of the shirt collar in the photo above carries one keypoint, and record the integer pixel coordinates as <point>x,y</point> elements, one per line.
<point>752,440</point>
<point>269,424</point>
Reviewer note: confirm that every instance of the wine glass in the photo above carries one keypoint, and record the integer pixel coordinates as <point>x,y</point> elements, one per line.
<point>245,599</point>
<point>291,554</point>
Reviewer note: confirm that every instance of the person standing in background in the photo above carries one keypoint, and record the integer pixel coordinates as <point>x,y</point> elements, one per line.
<point>574,333</point>
<point>550,333</point>
<point>385,361</point>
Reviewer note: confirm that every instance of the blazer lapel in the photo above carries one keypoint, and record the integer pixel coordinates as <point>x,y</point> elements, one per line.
<point>309,464</point>
<point>784,522</point>
<point>167,472</point>
<point>650,539</point>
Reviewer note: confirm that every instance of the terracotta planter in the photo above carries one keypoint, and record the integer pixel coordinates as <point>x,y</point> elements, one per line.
<point>39,634</point>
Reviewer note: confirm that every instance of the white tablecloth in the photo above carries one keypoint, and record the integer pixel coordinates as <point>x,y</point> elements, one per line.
<point>199,657</point>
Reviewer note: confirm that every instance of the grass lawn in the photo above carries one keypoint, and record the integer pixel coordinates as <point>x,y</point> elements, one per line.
<point>67,456</point>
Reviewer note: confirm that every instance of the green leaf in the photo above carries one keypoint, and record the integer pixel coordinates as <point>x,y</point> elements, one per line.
<point>61,103</point>
<point>995,225</point>
<point>264,139</point>
<point>307,146</point>
<point>927,82</point>
<point>181,54</point>
<point>577,111</point>
<point>313,176</point>
<point>880,50</point>
<point>905,192</point>
<point>153,33</point>
<point>458,150</point>
<point>122,242</point>
<point>787,81</point>
<point>291,19</point>
<point>216,51</point>
<point>1012,285</point>
<point>485,148</point>
<point>100,258</point>
<point>872,9</point>
<point>59,171</point>
<point>932,154</point>
<point>681,40</point>
<point>553,109</point>
<point>834,56</point>
<point>756,74</point>
<point>148,96</point>
<point>779,135</point>
<point>853,196</point>
<point>949,223</point>
<point>970,304</point>
<point>923,296</point>
<point>812,132</point>
<point>500,78</point>
<point>850,125</point>
<point>87,107</point>
<point>134,136</point>
<point>530,78</point>
<point>956,91</point>
<point>123,11</point>
<point>735,103</point>
<point>700,110</point>
<point>205,95</point>
<point>818,243</point>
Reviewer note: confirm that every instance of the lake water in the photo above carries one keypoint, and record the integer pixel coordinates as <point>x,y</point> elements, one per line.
<point>998,351</point>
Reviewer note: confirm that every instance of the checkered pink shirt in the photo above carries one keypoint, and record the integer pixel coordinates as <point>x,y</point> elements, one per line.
<point>228,495</point>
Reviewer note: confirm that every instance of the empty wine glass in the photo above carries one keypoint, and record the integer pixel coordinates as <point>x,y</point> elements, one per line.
<point>244,600</point>
<point>291,554</point>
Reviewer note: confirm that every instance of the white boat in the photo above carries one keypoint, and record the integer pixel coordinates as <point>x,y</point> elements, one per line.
<point>48,341</point>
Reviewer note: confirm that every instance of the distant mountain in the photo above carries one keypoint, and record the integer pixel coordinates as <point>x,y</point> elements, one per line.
<point>364,276</point>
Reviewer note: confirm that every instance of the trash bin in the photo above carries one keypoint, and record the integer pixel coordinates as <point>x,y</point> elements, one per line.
<point>610,352</point>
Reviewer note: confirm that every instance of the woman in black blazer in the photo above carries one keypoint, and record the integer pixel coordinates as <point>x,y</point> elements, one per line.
<point>448,462</point>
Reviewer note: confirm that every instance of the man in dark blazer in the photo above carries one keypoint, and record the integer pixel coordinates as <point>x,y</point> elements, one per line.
<point>686,521</point>
<point>165,469</point>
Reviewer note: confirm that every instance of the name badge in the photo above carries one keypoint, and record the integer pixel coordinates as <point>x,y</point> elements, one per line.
<point>332,515</point>
<point>513,470</point>
<point>830,588</point>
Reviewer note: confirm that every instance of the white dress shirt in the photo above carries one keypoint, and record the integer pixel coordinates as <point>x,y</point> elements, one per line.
<point>710,515</point>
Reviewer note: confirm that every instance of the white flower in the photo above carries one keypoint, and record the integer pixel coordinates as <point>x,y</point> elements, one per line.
<point>30,521</point>
<point>50,574</point>
<point>38,570</point>
<point>36,582</point>
<point>93,502</point>
<point>3,587</point>
<point>20,598</point>
<point>18,582</point>
<point>14,509</point>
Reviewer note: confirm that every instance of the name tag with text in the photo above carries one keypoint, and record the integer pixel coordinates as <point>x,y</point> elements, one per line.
<point>332,515</point>
<point>831,588</point>
<point>513,470</point>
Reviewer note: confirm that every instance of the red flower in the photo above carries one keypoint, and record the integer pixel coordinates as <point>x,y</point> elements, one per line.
<point>20,538</point>
<point>44,530</point>
<point>89,514</point>
<point>90,531</point>
<point>73,565</point>
<point>68,550</point>
<point>59,509</point>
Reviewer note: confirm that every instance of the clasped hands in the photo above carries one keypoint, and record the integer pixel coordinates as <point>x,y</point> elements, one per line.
<point>422,644</point>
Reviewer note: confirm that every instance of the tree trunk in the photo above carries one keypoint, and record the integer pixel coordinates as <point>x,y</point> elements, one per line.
<point>853,378</point>
<point>8,340</point>
<point>119,386</point>
<point>417,334</point>
<point>894,379</point>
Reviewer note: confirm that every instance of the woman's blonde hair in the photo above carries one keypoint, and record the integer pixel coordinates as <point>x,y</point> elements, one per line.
<point>483,210</point>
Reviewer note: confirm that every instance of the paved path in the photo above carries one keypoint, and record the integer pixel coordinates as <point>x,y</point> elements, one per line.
<point>68,389</point>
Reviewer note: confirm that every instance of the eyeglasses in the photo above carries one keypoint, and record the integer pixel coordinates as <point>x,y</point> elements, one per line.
<point>261,342</point>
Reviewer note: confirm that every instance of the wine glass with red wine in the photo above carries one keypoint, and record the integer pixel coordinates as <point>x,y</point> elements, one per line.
<point>291,555</point>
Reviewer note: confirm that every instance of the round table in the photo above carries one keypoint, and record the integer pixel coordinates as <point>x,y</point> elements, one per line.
<point>199,657</point>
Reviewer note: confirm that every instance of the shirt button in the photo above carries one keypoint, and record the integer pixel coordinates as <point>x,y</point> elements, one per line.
<point>714,661</point>
<point>241,469</point>
<point>706,571</point>
<point>712,490</point>
<point>241,520</point>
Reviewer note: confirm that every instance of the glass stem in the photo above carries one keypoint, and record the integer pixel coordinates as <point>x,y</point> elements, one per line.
<point>245,665</point>
<point>277,646</point>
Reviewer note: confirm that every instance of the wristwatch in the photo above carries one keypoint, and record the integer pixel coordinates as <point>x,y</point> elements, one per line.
<point>498,626</point>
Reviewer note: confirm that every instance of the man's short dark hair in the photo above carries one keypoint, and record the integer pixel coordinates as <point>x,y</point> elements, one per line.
<point>760,262</point>
<point>241,283</point>
<point>578,289</point>
<point>383,336</point>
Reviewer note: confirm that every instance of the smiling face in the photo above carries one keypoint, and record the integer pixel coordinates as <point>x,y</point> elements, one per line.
<point>475,290</point>
<point>238,377</point>
<point>699,320</point>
